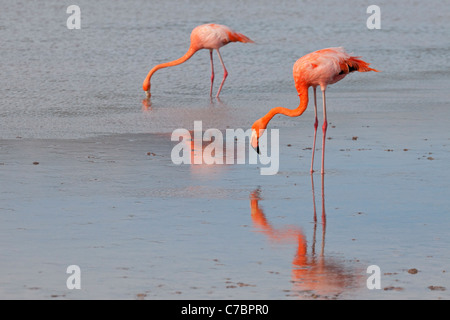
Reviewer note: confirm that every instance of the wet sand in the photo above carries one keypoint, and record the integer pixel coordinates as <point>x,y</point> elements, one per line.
<point>141,227</point>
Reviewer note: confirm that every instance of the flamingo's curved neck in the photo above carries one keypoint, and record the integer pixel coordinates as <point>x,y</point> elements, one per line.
<point>192,49</point>
<point>303,94</point>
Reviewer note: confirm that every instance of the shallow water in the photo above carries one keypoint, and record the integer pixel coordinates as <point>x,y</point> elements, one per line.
<point>106,196</point>
<point>76,83</point>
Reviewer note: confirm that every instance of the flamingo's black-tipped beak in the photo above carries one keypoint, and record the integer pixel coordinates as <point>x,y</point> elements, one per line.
<point>255,142</point>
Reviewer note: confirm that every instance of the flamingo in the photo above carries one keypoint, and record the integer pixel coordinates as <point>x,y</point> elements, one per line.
<point>207,36</point>
<point>319,68</point>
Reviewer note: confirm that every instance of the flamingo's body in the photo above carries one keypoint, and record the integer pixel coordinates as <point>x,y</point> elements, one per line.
<point>208,36</point>
<point>318,68</point>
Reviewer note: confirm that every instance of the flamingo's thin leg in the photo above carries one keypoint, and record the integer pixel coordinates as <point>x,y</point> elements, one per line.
<point>316,122</point>
<point>225,73</point>
<point>212,72</point>
<point>324,129</point>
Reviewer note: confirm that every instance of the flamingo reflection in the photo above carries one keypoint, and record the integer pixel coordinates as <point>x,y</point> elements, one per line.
<point>146,105</point>
<point>208,156</point>
<point>313,272</point>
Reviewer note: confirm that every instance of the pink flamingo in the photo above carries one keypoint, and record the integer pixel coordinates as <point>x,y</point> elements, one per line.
<point>208,36</point>
<point>318,68</point>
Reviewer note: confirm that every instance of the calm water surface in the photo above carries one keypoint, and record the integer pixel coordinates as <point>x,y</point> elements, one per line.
<point>107,197</point>
<point>65,83</point>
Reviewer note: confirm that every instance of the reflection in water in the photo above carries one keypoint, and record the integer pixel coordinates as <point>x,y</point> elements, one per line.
<point>213,102</point>
<point>146,105</point>
<point>313,272</point>
<point>205,156</point>
<point>217,102</point>
<point>208,152</point>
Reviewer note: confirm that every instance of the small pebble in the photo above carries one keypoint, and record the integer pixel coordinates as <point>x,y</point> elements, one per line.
<point>413,271</point>
<point>436,288</point>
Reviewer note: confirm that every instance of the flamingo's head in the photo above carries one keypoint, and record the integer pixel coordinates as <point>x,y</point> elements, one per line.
<point>257,130</point>
<point>146,86</point>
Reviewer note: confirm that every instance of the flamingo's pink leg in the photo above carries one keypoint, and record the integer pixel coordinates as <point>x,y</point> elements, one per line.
<point>212,72</point>
<point>316,122</point>
<point>225,73</point>
<point>324,129</point>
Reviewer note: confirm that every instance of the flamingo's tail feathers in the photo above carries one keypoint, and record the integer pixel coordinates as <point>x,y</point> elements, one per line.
<point>239,37</point>
<point>356,64</point>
